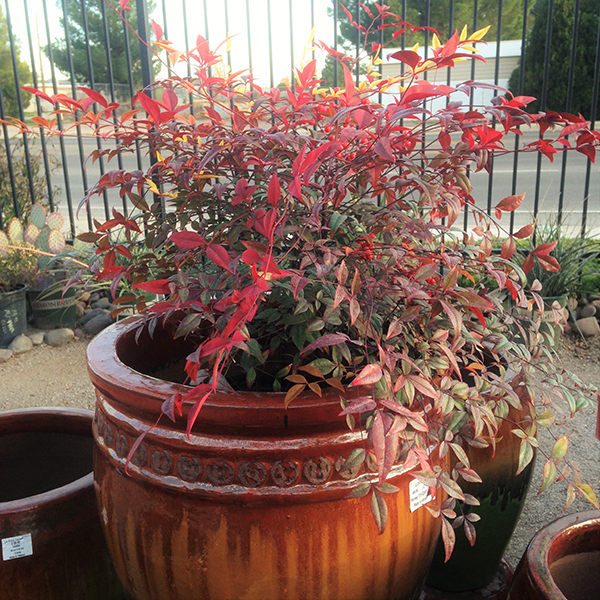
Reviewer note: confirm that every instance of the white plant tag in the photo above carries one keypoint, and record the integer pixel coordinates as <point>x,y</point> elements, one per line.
<point>17,547</point>
<point>419,494</point>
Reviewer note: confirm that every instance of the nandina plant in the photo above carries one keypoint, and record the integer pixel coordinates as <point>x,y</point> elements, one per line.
<point>307,239</point>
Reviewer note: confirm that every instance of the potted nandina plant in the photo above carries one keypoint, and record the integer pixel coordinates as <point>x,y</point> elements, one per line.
<point>338,344</point>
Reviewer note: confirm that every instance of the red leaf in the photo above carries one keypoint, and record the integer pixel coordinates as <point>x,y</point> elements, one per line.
<point>157,29</point>
<point>330,339</point>
<point>384,149</point>
<point>359,405</point>
<point>544,249</point>
<point>548,263</point>
<point>37,93</point>
<point>527,266</point>
<point>348,83</point>
<point>508,248</point>
<point>219,256</point>
<point>525,231</point>
<point>95,96</point>
<point>511,203</point>
<point>370,374</point>
<point>187,239</point>
<point>150,106</point>
<point>274,191</point>
<point>408,57</point>
<point>158,286</point>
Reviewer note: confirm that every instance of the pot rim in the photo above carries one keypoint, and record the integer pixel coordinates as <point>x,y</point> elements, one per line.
<point>539,549</point>
<point>56,419</point>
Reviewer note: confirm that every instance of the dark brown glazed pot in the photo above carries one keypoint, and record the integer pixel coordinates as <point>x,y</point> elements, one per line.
<point>501,496</point>
<point>253,505</point>
<point>52,542</point>
<point>562,561</point>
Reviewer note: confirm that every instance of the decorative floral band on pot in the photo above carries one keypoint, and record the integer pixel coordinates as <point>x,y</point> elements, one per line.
<point>52,542</point>
<point>254,504</point>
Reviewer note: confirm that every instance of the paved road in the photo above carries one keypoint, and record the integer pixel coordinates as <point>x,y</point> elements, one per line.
<point>549,185</point>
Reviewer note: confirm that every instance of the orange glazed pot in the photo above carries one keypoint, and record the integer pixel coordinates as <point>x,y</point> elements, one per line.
<point>562,561</point>
<point>253,506</point>
<point>52,542</point>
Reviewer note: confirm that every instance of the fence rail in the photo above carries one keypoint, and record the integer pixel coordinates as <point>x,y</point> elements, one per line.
<point>270,37</point>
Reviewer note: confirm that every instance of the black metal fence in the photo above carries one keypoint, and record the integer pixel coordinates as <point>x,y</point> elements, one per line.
<point>270,37</point>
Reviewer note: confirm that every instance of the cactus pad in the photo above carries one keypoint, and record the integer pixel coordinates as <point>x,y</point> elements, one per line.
<point>82,248</point>
<point>4,241</point>
<point>31,234</point>
<point>55,220</point>
<point>56,241</point>
<point>43,262</point>
<point>42,240</point>
<point>38,215</point>
<point>15,231</point>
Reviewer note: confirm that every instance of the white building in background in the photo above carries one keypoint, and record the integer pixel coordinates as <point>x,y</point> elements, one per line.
<point>509,57</point>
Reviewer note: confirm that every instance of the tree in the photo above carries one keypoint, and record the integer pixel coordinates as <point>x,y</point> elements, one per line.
<point>7,77</point>
<point>439,18</point>
<point>98,45</point>
<point>560,57</point>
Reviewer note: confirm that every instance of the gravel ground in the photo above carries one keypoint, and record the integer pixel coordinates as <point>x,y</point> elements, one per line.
<point>49,376</point>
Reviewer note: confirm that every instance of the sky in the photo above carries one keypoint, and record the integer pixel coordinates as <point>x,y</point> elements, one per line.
<point>216,14</point>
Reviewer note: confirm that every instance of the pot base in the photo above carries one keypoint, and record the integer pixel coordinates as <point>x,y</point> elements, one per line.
<point>497,589</point>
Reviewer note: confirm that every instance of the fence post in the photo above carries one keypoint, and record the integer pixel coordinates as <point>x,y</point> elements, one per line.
<point>144,33</point>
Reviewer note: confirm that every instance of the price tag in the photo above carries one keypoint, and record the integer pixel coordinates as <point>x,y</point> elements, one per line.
<point>419,494</point>
<point>17,547</point>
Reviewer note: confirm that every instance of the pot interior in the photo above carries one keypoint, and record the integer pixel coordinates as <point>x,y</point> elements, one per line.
<point>32,463</point>
<point>574,561</point>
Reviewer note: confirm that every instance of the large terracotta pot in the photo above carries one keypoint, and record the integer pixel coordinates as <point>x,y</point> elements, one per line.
<point>562,561</point>
<point>52,542</point>
<point>501,495</point>
<point>253,505</point>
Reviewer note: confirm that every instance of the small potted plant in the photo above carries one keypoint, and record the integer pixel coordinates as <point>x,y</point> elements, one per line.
<point>18,268</point>
<point>327,342</point>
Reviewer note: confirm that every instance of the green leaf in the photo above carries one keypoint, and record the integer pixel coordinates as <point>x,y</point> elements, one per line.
<point>324,365</point>
<point>387,488</point>
<point>549,475</point>
<point>379,510</point>
<point>355,458</point>
<point>589,494</point>
<point>560,449</point>
<point>336,220</point>
<point>525,455</point>
<point>360,491</point>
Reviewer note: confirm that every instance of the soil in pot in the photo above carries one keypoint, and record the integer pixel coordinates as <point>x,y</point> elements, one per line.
<point>578,575</point>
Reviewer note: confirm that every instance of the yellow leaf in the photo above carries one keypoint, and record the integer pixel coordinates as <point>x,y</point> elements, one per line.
<point>152,186</point>
<point>377,61</point>
<point>479,33</point>
<point>470,48</point>
<point>435,42</point>
<point>463,34</point>
<point>415,48</point>
<point>294,391</point>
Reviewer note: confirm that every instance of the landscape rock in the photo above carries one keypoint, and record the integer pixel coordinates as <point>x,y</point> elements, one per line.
<point>20,345</point>
<point>79,309</point>
<point>589,310</point>
<point>92,314</point>
<point>5,355</point>
<point>94,297</point>
<point>593,297</point>
<point>37,337</point>
<point>78,333</point>
<point>572,303</point>
<point>97,324</point>
<point>589,326</point>
<point>102,303</point>
<point>84,297</point>
<point>59,337</point>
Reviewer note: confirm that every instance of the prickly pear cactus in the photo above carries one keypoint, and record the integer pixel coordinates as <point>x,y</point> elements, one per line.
<point>82,248</point>
<point>15,231</point>
<point>31,234</point>
<point>42,240</point>
<point>38,215</point>
<point>55,220</point>
<point>4,241</point>
<point>56,241</point>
